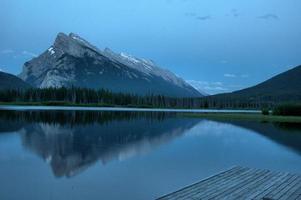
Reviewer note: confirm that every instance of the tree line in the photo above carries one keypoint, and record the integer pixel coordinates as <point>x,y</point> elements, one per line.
<point>76,117</point>
<point>102,97</point>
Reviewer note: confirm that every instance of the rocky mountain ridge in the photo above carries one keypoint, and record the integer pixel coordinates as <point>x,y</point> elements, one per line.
<point>72,61</point>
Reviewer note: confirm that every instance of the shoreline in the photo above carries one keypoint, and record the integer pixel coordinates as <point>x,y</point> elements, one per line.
<point>117,108</point>
<point>244,117</point>
<point>95,105</point>
<point>211,114</point>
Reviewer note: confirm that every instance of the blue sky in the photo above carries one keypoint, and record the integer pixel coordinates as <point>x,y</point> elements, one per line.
<point>218,45</point>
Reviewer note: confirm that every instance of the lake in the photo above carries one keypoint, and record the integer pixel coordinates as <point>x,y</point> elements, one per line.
<point>130,154</point>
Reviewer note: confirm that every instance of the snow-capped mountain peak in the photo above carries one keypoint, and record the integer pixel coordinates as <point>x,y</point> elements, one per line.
<point>73,61</point>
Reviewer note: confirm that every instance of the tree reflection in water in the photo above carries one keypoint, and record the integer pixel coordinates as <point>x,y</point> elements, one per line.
<point>71,141</point>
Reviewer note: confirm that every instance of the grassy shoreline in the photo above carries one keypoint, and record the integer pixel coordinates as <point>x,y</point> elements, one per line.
<point>244,117</point>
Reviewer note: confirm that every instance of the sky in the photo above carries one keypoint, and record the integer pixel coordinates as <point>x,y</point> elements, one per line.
<point>216,45</point>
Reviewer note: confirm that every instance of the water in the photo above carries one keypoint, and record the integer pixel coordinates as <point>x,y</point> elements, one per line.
<point>57,154</point>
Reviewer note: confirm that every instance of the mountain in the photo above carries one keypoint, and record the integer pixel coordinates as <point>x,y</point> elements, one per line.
<point>9,81</point>
<point>286,83</point>
<point>72,61</point>
<point>283,87</point>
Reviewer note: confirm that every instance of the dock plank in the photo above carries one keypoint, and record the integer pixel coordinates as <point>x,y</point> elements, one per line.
<point>273,187</point>
<point>205,186</point>
<point>278,177</point>
<point>291,189</point>
<point>245,190</point>
<point>206,183</point>
<point>281,187</point>
<point>242,183</point>
<point>237,184</point>
<point>287,187</point>
<point>296,194</point>
<point>221,185</point>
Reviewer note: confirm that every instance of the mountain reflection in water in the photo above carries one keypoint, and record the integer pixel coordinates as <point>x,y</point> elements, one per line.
<point>71,141</point>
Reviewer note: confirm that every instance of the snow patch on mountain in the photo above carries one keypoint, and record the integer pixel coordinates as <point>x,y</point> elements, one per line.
<point>51,51</point>
<point>147,67</point>
<point>129,57</point>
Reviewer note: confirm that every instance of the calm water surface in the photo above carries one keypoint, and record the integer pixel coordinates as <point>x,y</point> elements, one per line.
<point>130,155</point>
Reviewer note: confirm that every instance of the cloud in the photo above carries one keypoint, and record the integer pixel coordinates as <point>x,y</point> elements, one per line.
<point>15,54</point>
<point>7,51</point>
<point>235,13</point>
<point>230,75</point>
<point>28,53</point>
<point>212,88</point>
<point>269,17</point>
<point>203,18</point>
<point>208,87</point>
<point>195,16</point>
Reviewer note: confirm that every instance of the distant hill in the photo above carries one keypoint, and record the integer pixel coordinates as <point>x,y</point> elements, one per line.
<point>72,61</point>
<point>9,81</point>
<point>281,88</point>
<point>285,84</point>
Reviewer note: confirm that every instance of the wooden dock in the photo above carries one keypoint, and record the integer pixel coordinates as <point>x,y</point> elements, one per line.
<point>243,183</point>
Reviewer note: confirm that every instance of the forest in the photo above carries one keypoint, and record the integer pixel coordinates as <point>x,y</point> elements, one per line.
<point>102,97</point>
